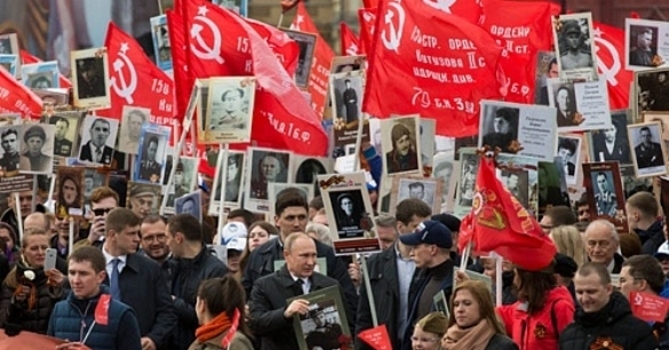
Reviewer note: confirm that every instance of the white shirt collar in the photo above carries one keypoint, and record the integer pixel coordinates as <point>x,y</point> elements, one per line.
<point>109,258</point>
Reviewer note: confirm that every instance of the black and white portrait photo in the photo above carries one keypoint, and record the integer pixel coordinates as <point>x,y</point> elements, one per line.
<point>9,152</point>
<point>399,137</point>
<point>92,180</point>
<point>67,133</point>
<point>189,204</point>
<point>642,45</point>
<point>564,100</point>
<point>517,182</point>
<point>346,94</point>
<point>70,199</point>
<point>547,68</point>
<point>91,78</point>
<point>150,161</point>
<point>575,46</point>
<point>131,128</point>
<point>443,170</point>
<point>426,189</point>
<point>230,109</point>
<point>41,80</point>
<point>469,164</point>
<point>652,88</point>
<point>308,169</point>
<point>568,150</point>
<point>612,143</point>
<point>143,199</point>
<point>5,45</point>
<point>185,178</point>
<point>161,42</point>
<point>307,44</point>
<point>37,149</point>
<point>265,166</point>
<point>322,326</point>
<point>97,141</point>
<point>605,193</point>
<point>499,127</point>
<point>348,209</point>
<point>233,177</point>
<point>649,152</point>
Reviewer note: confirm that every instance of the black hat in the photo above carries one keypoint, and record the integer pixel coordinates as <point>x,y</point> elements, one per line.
<point>34,130</point>
<point>450,221</point>
<point>565,266</point>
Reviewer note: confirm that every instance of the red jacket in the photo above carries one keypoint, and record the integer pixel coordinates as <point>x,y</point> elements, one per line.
<point>538,331</point>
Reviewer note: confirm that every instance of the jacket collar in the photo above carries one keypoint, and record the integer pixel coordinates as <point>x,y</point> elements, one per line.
<point>103,290</point>
<point>270,245</point>
<point>317,280</point>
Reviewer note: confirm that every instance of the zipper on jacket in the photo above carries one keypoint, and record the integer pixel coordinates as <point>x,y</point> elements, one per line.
<point>82,326</point>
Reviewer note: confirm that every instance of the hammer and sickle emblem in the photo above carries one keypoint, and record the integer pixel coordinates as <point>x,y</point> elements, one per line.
<point>203,50</point>
<point>392,42</point>
<point>118,82</point>
<point>609,72</point>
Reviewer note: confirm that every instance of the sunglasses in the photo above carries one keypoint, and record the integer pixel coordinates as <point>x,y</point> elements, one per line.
<point>102,211</point>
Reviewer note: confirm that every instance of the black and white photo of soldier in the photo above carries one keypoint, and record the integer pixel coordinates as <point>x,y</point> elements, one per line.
<point>643,45</point>
<point>648,152</point>
<point>500,127</point>
<point>605,196</point>
<point>653,89</point>
<point>575,45</point>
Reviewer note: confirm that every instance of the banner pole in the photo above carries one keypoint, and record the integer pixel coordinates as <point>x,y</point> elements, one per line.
<point>498,279</point>
<point>225,148</point>
<point>19,221</point>
<point>368,287</point>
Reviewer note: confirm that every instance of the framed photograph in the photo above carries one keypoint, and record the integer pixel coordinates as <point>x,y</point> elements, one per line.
<point>306,169</point>
<point>9,45</point>
<point>605,193</point>
<point>521,129</point>
<point>264,166</point>
<point>9,63</point>
<point>92,180</point>
<point>189,204</point>
<point>10,156</point>
<point>53,97</point>
<point>240,7</point>
<point>650,154</point>
<point>325,324</point>
<point>519,176</point>
<point>464,142</point>
<point>90,69</point>
<point>184,181</point>
<point>611,144</point>
<point>350,215</point>
<point>553,190</point>
<point>651,88</point>
<point>663,119</point>
<point>427,144</point>
<point>37,149</point>
<point>161,42</point>
<point>469,167</point>
<point>66,137</point>
<point>40,76</point>
<point>345,135</point>
<point>440,303</point>
<point>643,47</point>
<point>276,188</point>
<point>69,194</point>
<point>229,113</point>
<point>150,162</point>
<point>233,182</point>
<point>400,145</point>
<point>143,199</point>
<point>346,91</point>
<point>307,44</point>
<point>341,64</point>
<point>575,48</point>
<point>547,68</point>
<point>98,139</point>
<point>130,131</point>
<point>443,170</point>
<point>569,150</point>
<point>425,189</point>
<point>580,105</point>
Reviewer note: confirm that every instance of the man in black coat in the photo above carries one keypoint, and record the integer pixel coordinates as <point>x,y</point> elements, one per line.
<point>191,263</point>
<point>648,153</point>
<point>603,319</point>
<point>149,168</point>
<point>291,210</point>
<point>96,149</point>
<point>271,314</point>
<point>136,280</point>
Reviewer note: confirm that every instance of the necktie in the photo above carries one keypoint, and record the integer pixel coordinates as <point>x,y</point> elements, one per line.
<point>113,281</point>
<point>297,287</point>
<point>98,154</point>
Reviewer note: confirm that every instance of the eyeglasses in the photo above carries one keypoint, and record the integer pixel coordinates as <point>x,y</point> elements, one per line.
<point>424,340</point>
<point>102,211</point>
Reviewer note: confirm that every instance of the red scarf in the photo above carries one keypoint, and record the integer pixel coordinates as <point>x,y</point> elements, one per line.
<point>217,326</point>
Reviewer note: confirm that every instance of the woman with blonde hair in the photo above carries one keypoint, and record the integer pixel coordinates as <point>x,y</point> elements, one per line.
<point>569,242</point>
<point>473,323</point>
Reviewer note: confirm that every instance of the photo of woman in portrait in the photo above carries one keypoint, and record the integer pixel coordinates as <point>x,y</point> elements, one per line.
<point>69,195</point>
<point>403,156</point>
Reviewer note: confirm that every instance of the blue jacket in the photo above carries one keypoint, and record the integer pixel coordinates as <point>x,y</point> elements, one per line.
<point>73,318</point>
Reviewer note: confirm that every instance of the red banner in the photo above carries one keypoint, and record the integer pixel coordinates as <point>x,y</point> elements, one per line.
<point>522,28</point>
<point>136,81</point>
<point>469,10</point>
<point>182,78</point>
<point>446,64</point>
<point>102,310</point>
<point>320,67</point>
<point>377,338</point>
<point>27,58</point>
<point>610,49</point>
<point>649,307</point>
<point>367,20</point>
<point>350,45</point>
<point>286,49</point>
<point>17,98</point>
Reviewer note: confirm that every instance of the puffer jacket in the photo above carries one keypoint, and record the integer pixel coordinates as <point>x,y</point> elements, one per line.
<point>539,331</point>
<point>15,314</point>
<point>614,324</point>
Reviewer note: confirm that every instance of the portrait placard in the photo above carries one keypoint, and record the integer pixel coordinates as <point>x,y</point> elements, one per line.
<point>229,113</point>
<point>547,68</point>
<point>90,69</point>
<point>444,167</point>
<point>652,87</point>
<point>575,47</point>
<point>425,189</point>
<point>98,139</point>
<point>10,155</point>
<point>400,145</point>
<point>189,204</point>
<point>519,175</point>
<point>150,162</point>
<point>92,180</point>
<point>275,189</point>
<point>569,150</point>
<point>350,215</point>
<point>52,98</point>
<point>18,183</point>
<point>70,196</point>
<point>66,137</point>
<point>346,94</point>
<point>646,44</point>
<point>264,166</point>
<point>233,182</point>
<point>9,45</point>
<point>468,168</point>
<point>183,182</point>
<point>161,42</point>
<point>580,105</point>
<point>663,119</point>
<point>9,63</point>
<point>307,44</point>
<point>37,149</point>
<point>605,193</point>
<point>427,141</point>
<point>325,323</point>
<point>525,130</point>
<point>649,152</point>
<point>131,128</point>
<point>43,75</point>
<point>143,199</point>
<point>440,303</point>
<point>611,144</point>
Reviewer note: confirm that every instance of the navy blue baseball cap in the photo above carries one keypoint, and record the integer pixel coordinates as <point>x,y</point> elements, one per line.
<point>429,232</point>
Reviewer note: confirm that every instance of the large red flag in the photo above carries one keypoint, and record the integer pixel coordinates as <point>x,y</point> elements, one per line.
<point>182,78</point>
<point>27,58</point>
<point>282,117</point>
<point>367,20</point>
<point>286,49</point>
<point>469,10</point>
<point>522,28</point>
<point>136,80</point>
<point>350,45</point>
<point>320,68</point>
<point>17,98</point>
<point>431,63</point>
<point>610,50</point>
<point>498,222</point>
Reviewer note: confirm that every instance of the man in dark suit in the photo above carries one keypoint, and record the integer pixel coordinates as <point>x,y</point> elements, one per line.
<point>96,150</point>
<point>648,153</point>
<point>61,145</point>
<point>149,167</point>
<point>10,145</point>
<point>271,315</point>
<point>90,82</point>
<point>136,280</point>
<point>350,98</point>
